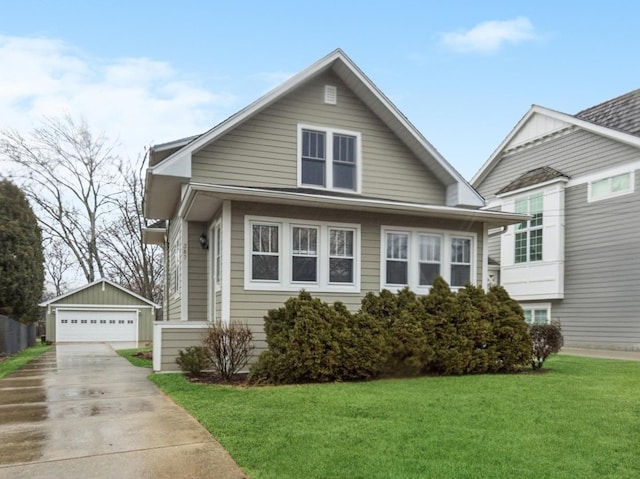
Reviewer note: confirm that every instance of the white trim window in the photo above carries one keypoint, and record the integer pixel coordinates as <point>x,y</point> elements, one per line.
<point>175,258</point>
<point>415,257</point>
<point>304,254</point>
<point>528,234</point>
<point>217,262</point>
<point>341,256</point>
<point>289,255</point>
<point>611,186</point>
<point>460,262</point>
<point>265,252</point>
<point>429,258</point>
<point>397,259</point>
<point>537,313</point>
<point>329,158</point>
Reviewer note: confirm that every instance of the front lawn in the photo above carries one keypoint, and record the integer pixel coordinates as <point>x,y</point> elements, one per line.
<point>134,356</point>
<point>578,419</point>
<point>15,362</point>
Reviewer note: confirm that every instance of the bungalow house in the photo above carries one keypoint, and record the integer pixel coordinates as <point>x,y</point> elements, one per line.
<point>321,184</point>
<point>575,260</point>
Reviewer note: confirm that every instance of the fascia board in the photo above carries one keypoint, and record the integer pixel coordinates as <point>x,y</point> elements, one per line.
<point>572,120</point>
<point>306,199</point>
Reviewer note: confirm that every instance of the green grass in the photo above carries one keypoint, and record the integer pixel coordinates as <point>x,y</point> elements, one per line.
<point>581,418</point>
<point>128,354</point>
<point>15,362</point>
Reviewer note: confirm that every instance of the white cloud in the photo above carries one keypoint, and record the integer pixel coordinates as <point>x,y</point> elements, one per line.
<point>490,36</point>
<point>135,101</point>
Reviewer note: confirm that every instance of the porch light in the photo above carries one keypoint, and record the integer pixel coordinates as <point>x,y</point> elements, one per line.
<point>204,242</point>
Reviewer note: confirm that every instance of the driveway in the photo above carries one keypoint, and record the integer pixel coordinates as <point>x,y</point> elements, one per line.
<point>82,411</point>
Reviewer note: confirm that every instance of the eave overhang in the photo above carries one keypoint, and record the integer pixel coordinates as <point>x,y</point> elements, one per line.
<point>154,235</point>
<point>201,201</point>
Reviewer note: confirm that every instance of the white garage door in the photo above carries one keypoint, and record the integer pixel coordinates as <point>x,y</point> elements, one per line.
<point>91,325</point>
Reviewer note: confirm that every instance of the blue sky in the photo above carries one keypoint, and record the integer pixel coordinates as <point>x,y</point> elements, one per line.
<point>463,72</point>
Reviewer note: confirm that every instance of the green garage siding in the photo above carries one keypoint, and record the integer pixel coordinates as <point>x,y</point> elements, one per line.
<point>106,296</point>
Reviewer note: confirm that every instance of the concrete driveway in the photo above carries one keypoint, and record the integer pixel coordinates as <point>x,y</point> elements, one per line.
<point>82,411</point>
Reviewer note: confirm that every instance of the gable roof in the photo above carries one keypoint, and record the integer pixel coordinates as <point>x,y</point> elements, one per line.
<point>102,280</point>
<point>178,163</point>
<point>560,119</point>
<point>531,178</point>
<point>621,113</point>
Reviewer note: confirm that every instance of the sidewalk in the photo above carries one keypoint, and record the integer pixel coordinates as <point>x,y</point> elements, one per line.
<point>602,353</point>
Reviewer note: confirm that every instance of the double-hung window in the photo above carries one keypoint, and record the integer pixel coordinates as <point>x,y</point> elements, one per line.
<point>265,252</point>
<point>528,236</point>
<point>290,255</point>
<point>430,258</point>
<point>341,255</point>
<point>460,261</point>
<point>304,250</point>
<point>397,264</point>
<point>415,258</point>
<point>329,158</point>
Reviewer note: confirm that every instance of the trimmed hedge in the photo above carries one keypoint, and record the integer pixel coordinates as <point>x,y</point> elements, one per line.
<point>466,332</point>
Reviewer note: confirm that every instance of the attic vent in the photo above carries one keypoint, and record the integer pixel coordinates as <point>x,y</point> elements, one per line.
<point>330,94</point>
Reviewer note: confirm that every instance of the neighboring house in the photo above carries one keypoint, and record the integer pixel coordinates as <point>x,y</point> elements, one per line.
<point>101,311</point>
<point>321,184</point>
<point>577,260</point>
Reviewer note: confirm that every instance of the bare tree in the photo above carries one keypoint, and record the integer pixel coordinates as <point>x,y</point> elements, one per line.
<point>68,175</point>
<point>130,262</point>
<point>58,266</point>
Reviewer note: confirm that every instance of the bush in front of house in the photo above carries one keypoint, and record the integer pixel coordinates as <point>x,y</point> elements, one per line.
<point>394,334</point>
<point>312,341</point>
<point>401,319</point>
<point>547,339</point>
<point>511,333</point>
<point>193,360</point>
<point>228,348</point>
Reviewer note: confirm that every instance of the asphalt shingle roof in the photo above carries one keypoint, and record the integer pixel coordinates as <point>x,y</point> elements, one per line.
<point>621,113</point>
<point>532,177</point>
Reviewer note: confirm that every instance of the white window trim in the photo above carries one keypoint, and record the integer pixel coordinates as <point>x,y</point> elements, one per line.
<point>534,306</point>
<point>329,157</point>
<point>217,254</point>
<point>591,199</point>
<point>528,229</point>
<point>284,282</point>
<point>413,255</point>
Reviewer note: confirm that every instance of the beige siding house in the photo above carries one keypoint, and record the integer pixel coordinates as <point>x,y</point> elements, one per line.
<point>321,184</point>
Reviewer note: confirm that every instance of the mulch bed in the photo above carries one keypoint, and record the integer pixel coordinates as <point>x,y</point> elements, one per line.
<point>144,355</point>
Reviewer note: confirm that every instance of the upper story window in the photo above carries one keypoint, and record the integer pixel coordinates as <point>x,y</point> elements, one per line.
<point>611,187</point>
<point>528,237</point>
<point>415,258</point>
<point>329,158</point>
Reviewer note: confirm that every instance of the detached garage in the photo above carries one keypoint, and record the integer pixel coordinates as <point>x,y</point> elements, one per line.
<point>101,311</point>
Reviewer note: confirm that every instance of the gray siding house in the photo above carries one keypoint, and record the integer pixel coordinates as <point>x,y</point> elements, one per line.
<point>577,259</point>
<point>321,184</point>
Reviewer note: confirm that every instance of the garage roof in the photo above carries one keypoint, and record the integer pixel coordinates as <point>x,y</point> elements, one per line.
<point>105,281</point>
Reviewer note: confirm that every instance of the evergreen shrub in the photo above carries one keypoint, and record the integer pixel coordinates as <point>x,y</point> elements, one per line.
<point>394,334</point>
